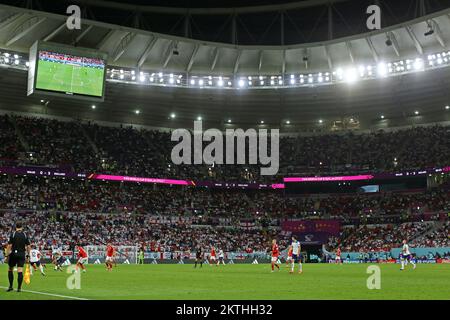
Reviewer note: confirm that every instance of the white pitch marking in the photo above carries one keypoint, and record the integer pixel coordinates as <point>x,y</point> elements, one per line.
<point>50,294</point>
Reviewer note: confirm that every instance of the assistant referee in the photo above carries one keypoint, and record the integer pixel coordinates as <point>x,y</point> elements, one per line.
<point>16,251</point>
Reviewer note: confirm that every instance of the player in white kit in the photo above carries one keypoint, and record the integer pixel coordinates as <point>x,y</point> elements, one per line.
<point>57,257</point>
<point>221,257</point>
<point>406,256</point>
<point>35,261</point>
<point>296,255</point>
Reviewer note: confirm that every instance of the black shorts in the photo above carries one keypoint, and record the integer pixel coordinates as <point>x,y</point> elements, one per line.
<point>16,260</point>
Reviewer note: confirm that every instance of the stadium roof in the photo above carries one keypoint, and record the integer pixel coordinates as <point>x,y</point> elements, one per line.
<point>394,98</point>
<point>136,48</point>
<point>245,22</point>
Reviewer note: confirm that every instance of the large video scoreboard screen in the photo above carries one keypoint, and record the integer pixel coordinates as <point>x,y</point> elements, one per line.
<point>57,69</point>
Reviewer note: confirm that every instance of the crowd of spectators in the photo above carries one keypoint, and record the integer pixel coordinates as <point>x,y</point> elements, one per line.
<point>438,238</point>
<point>10,146</point>
<point>378,237</point>
<point>38,193</point>
<point>68,209</point>
<point>127,150</point>
<point>169,234</point>
<point>122,211</point>
<point>373,239</point>
<point>105,197</point>
<point>413,148</point>
<point>46,229</point>
<point>357,205</point>
<point>56,143</point>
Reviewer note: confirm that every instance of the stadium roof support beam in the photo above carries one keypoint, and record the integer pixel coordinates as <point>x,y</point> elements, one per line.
<point>10,20</point>
<point>330,22</point>
<point>236,62</point>
<point>350,51</point>
<point>283,63</point>
<point>233,29</point>
<point>372,49</point>
<point>105,40</point>
<point>413,37</point>
<point>192,58</point>
<point>438,33</point>
<point>24,29</point>
<point>305,55</point>
<point>327,53</point>
<point>216,57</point>
<point>146,53</point>
<point>169,53</point>
<point>187,25</point>
<point>260,59</point>
<point>55,32</point>
<point>394,41</point>
<point>123,45</point>
<point>83,34</point>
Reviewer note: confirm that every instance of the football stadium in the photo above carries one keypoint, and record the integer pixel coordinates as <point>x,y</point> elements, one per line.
<point>225,150</point>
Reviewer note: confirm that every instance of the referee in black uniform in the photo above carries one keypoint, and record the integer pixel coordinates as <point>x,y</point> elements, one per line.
<point>16,251</point>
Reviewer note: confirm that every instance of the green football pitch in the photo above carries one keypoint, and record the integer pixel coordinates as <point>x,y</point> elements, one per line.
<point>69,78</point>
<point>238,281</point>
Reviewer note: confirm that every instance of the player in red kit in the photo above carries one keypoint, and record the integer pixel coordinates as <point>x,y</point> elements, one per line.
<point>275,254</point>
<point>212,257</point>
<point>110,253</point>
<point>289,257</point>
<point>82,259</point>
<point>338,256</point>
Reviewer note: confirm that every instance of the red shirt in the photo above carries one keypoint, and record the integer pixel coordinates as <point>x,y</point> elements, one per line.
<point>109,251</point>
<point>82,253</point>
<point>290,252</point>
<point>213,253</point>
<point>275,251</point>
<point>338,252</point>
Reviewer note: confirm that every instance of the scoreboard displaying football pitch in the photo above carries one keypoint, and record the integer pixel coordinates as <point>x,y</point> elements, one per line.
<point>64,70</point>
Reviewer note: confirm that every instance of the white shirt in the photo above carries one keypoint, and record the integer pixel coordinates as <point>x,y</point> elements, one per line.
<point>57,252</point>
<point>35,255</point>
<point>405,249</point>
<point>295,247</point>
<point>221,254</point>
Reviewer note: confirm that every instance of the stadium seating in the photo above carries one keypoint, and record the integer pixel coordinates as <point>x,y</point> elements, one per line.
<point>140,152</point>
<point>380,238</point>
<point>10,147</point>
<point>71,209</point>
<point>34,193</point>
<point>437,238</point>
<point>49,228</point>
